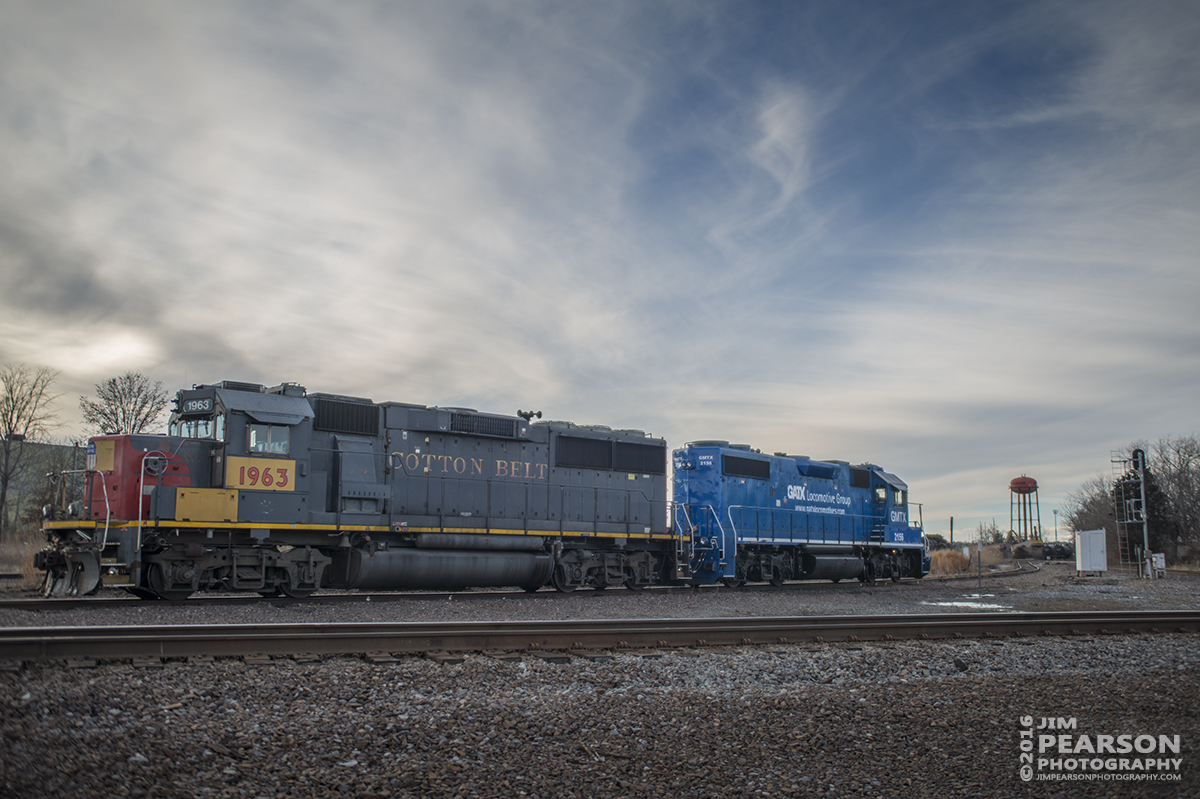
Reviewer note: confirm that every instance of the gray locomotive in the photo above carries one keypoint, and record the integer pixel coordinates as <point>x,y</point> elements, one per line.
<point>275,490</point>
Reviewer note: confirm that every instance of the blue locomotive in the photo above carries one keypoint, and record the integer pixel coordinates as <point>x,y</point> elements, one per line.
<point>770,518</point>
<point>276,490</point>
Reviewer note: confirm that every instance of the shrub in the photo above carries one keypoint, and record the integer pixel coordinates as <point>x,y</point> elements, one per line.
<point>949,561</point>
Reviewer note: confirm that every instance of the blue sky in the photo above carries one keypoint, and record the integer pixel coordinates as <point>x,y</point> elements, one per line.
<point>956,239</point>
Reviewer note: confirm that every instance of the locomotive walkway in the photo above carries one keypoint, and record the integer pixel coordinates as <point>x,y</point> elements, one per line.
<point>432,638</point>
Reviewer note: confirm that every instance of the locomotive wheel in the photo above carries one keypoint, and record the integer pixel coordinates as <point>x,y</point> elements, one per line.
<point>776,579</point>
<point>868,574</point>
<point>560,581</point>
<point>296,593</point>
<point>158,584</point>
<point>632,582</point>
<point>732,582</point>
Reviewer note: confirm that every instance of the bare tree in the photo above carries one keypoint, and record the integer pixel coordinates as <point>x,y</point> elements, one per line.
<point>53,478</point>
<point>25,413</point>
<point>1090,507</point>
<point>1177,467</point>
<point>125,404</point>
<point>990,533</point>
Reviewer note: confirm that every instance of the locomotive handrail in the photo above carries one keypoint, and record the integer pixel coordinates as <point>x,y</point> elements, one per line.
<point>920,524</point>
<point>103,492</point>
<point>107,508</point>
<point>142,489</point>
<point>717,519</point>
<point>675,508</point>
<point>685,546</point>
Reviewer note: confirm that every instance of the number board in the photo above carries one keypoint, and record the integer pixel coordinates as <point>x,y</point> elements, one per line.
<point>260,474</point>
<point>202,405</point>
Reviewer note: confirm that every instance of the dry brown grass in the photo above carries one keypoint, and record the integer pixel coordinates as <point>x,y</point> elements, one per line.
<point>992,554</point>
<point>17,551</point>
<point>949,561</point>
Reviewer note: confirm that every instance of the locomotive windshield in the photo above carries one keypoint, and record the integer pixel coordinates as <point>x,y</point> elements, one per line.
<point>206,427</point>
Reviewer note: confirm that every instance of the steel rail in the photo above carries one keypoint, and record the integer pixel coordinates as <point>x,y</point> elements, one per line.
<point>174,641</point>
<point>250,598</point>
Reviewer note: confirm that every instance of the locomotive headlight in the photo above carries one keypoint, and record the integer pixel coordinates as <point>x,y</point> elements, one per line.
<point>47,511</point>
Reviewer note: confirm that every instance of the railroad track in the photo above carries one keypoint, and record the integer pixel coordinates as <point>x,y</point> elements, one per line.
<point>178,641</point>
<point>128,600</point>
<point>246,598</point>
<point>1028,567</point>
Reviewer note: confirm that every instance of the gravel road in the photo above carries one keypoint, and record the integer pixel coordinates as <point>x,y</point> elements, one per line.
<point>912,719</point>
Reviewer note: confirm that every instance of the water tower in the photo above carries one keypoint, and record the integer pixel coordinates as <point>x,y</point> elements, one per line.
<point>1025,517</point>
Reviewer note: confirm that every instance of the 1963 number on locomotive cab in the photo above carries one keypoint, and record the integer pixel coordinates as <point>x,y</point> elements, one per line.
<point>260,474</point>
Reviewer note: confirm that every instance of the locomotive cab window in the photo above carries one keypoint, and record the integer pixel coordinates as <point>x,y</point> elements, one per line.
<point>899,497</point>
<point>212,427</point>
<point>880,494</point>
<point>271,439</point>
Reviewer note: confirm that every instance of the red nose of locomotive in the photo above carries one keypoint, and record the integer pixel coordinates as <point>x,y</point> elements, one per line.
<point>127,471</point>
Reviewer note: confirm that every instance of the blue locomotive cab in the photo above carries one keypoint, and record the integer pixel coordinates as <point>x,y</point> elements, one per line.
<point>890,496</point>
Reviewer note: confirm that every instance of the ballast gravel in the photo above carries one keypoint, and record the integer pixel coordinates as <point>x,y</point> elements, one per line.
<point>907,719</point>
<point>1054,587</point>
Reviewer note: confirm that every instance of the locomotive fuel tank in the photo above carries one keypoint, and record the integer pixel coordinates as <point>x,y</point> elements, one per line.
<point>832,567</point>
<point>410,568</point>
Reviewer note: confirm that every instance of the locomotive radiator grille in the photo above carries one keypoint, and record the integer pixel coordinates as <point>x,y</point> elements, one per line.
<point>340,416</point>
<point>483,425</point>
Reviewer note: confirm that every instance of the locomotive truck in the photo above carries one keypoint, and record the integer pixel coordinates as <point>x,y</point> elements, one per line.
<point>278,491</point>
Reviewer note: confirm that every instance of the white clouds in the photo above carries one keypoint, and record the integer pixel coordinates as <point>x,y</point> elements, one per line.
<point>782,150</point>
<point>703,223</point>
<point>1144,76</point>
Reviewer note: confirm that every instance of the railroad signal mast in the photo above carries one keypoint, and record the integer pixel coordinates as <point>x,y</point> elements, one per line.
<point>1129,499</point>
